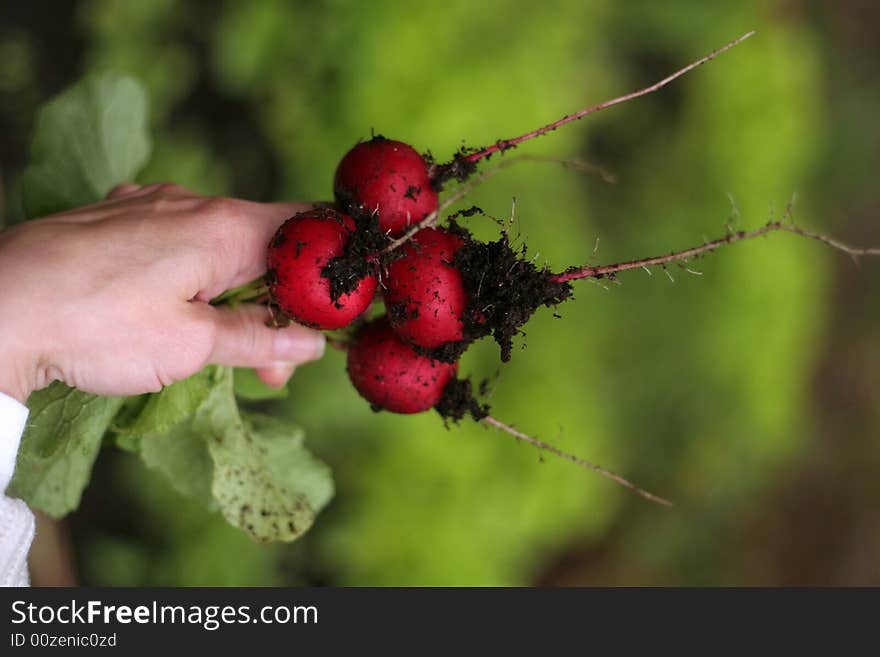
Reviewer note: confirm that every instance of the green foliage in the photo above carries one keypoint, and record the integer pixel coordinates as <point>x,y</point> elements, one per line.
<point>87,140</point>
<point>58,449</point>
<point>256,470</point>
<point>180,454</point>
<point>173,405</point>
<point>264,480</point>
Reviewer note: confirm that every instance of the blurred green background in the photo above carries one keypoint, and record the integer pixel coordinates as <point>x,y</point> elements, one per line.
<point>749,395</point>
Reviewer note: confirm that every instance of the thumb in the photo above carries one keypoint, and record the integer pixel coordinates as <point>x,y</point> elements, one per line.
<point>242,339</point>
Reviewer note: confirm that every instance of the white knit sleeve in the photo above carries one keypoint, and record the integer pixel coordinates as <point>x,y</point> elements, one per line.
<point>16,520</point>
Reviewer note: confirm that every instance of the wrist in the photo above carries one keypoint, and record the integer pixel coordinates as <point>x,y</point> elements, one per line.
<point>22,337</point>
<point>17,379</point>
<point>12,385</point>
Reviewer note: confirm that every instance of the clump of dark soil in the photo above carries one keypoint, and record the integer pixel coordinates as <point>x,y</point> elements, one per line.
<point>504,290</point>
<point>359,258</point>
<point>459,400</point>
<point>458,168</point>
<point>503,286</point>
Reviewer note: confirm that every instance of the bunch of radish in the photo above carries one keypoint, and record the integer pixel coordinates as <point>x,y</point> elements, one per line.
<point>322,273</point>
<point>442,290</point>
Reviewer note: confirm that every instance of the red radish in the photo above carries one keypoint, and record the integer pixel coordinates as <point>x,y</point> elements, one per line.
<point>389,374</point>
<point>424,292</point>
<point>388,178</point>
<point>303,246</point>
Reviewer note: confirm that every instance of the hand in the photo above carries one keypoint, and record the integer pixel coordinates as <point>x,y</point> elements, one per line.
<point>113,298</point>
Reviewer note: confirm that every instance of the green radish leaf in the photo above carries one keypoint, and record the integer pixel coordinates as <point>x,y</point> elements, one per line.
<point>87,140</point>
<point>173,405</point>
<point>118,433</point>
<point>249,387</point>
<point>265,481</point>
<point>181,454</point>
<point>164,435</point>
<point>288,461</point>
<point>59,447</point>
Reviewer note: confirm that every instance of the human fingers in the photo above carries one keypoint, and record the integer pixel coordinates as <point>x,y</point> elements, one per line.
<point>242,339</point>
<point>264,220</point>
<point>277,375</point>
<point>241,232</point>
<point>123,190</point>
<point>120,199</point>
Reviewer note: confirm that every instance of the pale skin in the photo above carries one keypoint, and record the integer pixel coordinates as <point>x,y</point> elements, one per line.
<point>112,298</point>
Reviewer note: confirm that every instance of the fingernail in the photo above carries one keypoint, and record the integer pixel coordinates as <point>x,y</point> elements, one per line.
<point>296,345</point>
